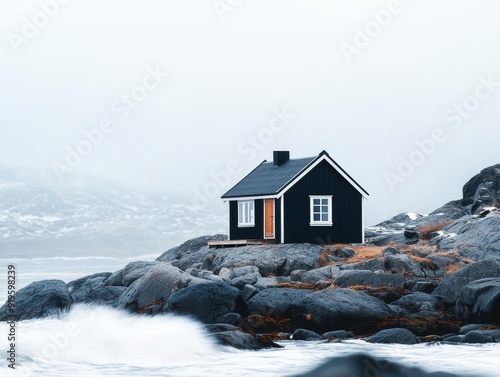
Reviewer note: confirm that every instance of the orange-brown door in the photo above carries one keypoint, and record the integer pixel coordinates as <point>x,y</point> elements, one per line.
<point>268,218</point>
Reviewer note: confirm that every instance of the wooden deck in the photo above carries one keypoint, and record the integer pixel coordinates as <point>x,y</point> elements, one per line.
<point>236,243</point>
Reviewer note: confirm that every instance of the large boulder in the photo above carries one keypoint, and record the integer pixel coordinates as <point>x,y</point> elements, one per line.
<point>90,280</point>
<point>206,302</point>
<point>474,237</point>
<point>323,273</point>
<point>39,299</point>
<point>392,336</point>
<point>480,301</point>
<point>238,339</point>
<point>192,253</point>
<point>451,285</point>
<point>403,264</point>
<point>278,260</point>
<point>130,273</point>
<point>336,309</point>
<point>150,292</point>
<point>420,301</point>
<point>91,289</point>
<point>275,302</point>
<point>482,190</point>
<point>352,278</point>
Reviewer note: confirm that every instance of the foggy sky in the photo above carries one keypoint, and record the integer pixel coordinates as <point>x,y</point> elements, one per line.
<point>180,95</point>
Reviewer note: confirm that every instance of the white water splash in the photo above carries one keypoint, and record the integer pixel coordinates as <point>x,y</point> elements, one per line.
<point>100,341</point>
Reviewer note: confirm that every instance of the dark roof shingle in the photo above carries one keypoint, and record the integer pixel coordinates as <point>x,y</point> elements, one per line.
<point>268,179</point>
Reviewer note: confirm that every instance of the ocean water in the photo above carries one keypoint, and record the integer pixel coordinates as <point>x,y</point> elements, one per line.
<point>100,341</point>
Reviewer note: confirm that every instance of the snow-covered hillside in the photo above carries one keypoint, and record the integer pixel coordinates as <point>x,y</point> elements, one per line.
<point>38,217</point>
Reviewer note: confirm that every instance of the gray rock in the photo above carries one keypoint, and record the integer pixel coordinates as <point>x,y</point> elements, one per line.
<point>482,189</point>
<point>372,265</point>
<point>39,299</point>
<point>475,238</point>
<point>303,334</point>
<point>442,261</point>
<point>453,283</point>
<point>392,336</point>
<point>248,292</point>
<point>75,285</point>
<point>477,336</point>
<point>472,326</point>
<point>265,283</point>
<point>278,260</point>
<point>92,289</point>
<point>425,286</point>
<point>82,290</point>
<point>226,274</point>
<point>245,270</point>
<point>419,301</point>
<point>323,273</point>
<point>220,327</point>
<point>250,279</point>
<point>135,270</point>
<point>104,295</point>
<point>331,309</point>
<point>403,264</point>
<point>189,247</point>
<point>338,334</point>
<point>238,339</point>
<point>296,275</point>
<point>275,302</point>
<point>453,339</point>
<point>391,250</point>
<point>345,252</point>
<point>205,302</point>
<point>370,279</point>
<point>234,319</point>
<point>155,287</point>
<point>480,301</point>
<point>115,279</point>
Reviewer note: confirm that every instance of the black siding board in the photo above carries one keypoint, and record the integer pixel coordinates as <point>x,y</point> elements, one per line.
<point>255,232</point>
<point>346,203</point>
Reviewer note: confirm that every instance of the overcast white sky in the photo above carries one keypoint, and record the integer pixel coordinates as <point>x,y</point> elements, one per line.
<point>64,70</point>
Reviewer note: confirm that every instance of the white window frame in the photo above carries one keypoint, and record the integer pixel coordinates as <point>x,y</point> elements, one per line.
<point>246,213</point>
<point>312,212</point>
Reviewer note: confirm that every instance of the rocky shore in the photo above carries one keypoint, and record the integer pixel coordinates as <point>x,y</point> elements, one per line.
<point>417,279</point>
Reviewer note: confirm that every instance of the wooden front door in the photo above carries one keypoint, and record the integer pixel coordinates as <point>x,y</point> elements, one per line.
<point>268,218</point>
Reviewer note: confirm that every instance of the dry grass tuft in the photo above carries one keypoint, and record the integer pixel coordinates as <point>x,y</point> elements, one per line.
<point>427,230</point>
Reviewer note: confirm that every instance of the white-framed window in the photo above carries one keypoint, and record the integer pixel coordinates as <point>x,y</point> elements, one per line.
<point>321,210</point>
<point>246,214</point>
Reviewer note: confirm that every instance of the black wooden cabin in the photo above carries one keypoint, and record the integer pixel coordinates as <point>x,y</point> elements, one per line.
<point>303,200</point>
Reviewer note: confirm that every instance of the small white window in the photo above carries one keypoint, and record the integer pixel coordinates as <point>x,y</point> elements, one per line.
<point>246,213</point>
<point>321,210</point>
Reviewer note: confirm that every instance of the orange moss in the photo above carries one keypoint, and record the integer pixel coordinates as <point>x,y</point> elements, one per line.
<point>427,230</point>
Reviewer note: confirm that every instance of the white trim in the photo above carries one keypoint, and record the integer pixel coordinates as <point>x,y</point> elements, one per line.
<point>362,220</point>
<point>274,222</point>
<point>229,220</point>
<point>293,181</point>
<point>240,198</point>
<point>311,210</point>
<point>250,216</point>
<point>282,203</point>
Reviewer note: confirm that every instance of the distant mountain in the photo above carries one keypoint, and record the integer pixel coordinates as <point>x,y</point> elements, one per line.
<point>92,216</point>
